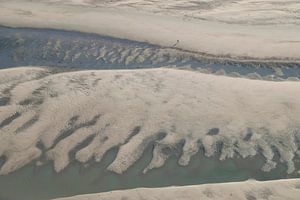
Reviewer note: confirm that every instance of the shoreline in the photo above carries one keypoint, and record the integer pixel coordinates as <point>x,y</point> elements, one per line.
<point>247,190</point>
<point>207,37</point>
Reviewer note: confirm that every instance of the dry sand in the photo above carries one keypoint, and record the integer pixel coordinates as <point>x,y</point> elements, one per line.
<point>259,12</point>
<point>132,108</point>
<point>248,190</point>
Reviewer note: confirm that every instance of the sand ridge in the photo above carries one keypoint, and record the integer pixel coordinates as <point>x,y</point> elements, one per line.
<point>228,117</point>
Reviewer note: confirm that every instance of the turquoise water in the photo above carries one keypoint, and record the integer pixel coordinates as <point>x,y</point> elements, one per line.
<point>32,183</point>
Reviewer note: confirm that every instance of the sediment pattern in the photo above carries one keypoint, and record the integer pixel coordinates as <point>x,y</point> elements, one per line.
<point>81,115</point>
<point>42,47</point>
<point>221,28</point>
<point>237,12</point>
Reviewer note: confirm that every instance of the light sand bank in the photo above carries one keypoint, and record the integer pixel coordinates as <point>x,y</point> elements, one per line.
<point>249,190</point>
<point>178,110</point>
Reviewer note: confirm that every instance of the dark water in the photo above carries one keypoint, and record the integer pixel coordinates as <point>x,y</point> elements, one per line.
<point>46,47</point>
<point>32,183</point>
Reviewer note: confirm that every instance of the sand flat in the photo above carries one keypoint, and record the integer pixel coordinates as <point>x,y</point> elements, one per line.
<point>248,190</point>
<point>132,108</point>
<point>241,40</point>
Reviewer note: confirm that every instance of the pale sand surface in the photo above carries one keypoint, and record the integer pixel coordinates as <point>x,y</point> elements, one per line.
<point>260,12</point>
<point>225,29</point>
<point>48,115</point>
<point>248,190</point>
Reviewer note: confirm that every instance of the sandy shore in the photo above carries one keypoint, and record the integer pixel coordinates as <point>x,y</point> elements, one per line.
<point>233,38</point>
<point>259,12</point>
<point>48,115</point>
<point>248,190</point>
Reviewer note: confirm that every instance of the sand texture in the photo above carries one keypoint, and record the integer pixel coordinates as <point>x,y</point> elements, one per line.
<point>248,190</point>
<point>49,115</point>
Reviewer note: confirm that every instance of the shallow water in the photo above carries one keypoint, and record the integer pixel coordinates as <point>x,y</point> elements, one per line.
<point>34,183</point>
<point>47,47</point>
